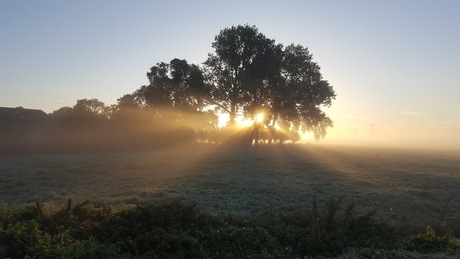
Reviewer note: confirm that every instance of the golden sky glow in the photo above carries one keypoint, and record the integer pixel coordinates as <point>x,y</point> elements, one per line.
<point>394,64</point>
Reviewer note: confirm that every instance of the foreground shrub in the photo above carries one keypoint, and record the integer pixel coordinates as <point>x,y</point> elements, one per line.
<point>79,249</point>
<point>430,241</point>
<point>19,239</point>
<point>373,253</point>
<point>327,231</point>
<point>49,232</point>
<point>174,229</point>
<point>179,230</point>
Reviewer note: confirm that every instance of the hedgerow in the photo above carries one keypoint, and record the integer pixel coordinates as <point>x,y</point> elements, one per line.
<point>176,229</point>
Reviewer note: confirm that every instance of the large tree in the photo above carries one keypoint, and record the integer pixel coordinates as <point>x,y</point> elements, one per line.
<point>250,73</point>
<point>243,62</point>
<point>176,93</point>
<point>175,86</point>
<point>301,94</point>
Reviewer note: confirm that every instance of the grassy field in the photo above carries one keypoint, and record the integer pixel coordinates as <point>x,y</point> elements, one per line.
<point>409,189</point>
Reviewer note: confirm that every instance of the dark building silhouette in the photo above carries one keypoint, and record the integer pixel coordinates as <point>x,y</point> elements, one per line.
<point>21,113</point>
<point>23,130</point>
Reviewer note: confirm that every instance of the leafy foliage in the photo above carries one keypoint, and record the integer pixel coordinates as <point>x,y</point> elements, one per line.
<point>176,85</point>
<point>373,253</point>
<point>252,74</point>
<point>430,241</point>
<point>249,74</point>
<point>244,62</point>
<point>174,229</point>
<point>327,231</point>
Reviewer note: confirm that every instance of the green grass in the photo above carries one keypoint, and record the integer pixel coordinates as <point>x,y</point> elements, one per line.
<point>284,201</point>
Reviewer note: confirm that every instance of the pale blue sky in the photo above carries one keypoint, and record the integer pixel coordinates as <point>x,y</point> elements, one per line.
<point>394,64</point>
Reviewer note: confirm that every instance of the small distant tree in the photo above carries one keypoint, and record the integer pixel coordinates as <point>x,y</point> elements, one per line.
<point>85,126</point>
<point>91,108</point>
<point>63,112</point>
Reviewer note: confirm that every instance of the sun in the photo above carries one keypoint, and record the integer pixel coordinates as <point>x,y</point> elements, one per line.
<point>240,121</point>
<point>260,117</point>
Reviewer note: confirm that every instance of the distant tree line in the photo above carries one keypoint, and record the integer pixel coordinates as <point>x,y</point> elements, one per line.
<point>248,75</point>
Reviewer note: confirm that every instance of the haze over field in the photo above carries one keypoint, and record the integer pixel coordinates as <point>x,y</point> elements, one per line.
<point>312,201</point>
<point>394,65</point>
<point>229,129</point>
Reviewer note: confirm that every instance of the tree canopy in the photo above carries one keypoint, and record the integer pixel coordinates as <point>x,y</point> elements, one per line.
<point>90,108</point>
<point>175,86</point>
<point>250,74</point>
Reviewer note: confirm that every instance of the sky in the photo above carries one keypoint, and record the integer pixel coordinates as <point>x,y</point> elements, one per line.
<point>393,64</point>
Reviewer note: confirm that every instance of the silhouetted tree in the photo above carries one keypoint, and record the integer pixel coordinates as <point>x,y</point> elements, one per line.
<point>128,102</point>
<point>175,86</point>
<point>176,93</point>
<point>85,126</point>
<point>249,73</point>
<point>63,111</point>
<point>91,108</point>
<point>301,93</point>
<point>240,69</point>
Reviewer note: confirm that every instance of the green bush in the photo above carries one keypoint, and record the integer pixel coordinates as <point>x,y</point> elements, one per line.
<point>373,253</point>
<point>174,229</point>
<point>179,230</point>
<point>18,239</point>
<point>90,248</point>
<point>163,228</point>
<point>46,234</point>
<point>430,241</point>
<point>327,231</point>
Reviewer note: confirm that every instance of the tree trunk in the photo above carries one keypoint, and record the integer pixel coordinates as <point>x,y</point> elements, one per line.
<point>232,114</point>
<point>256,132</point>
